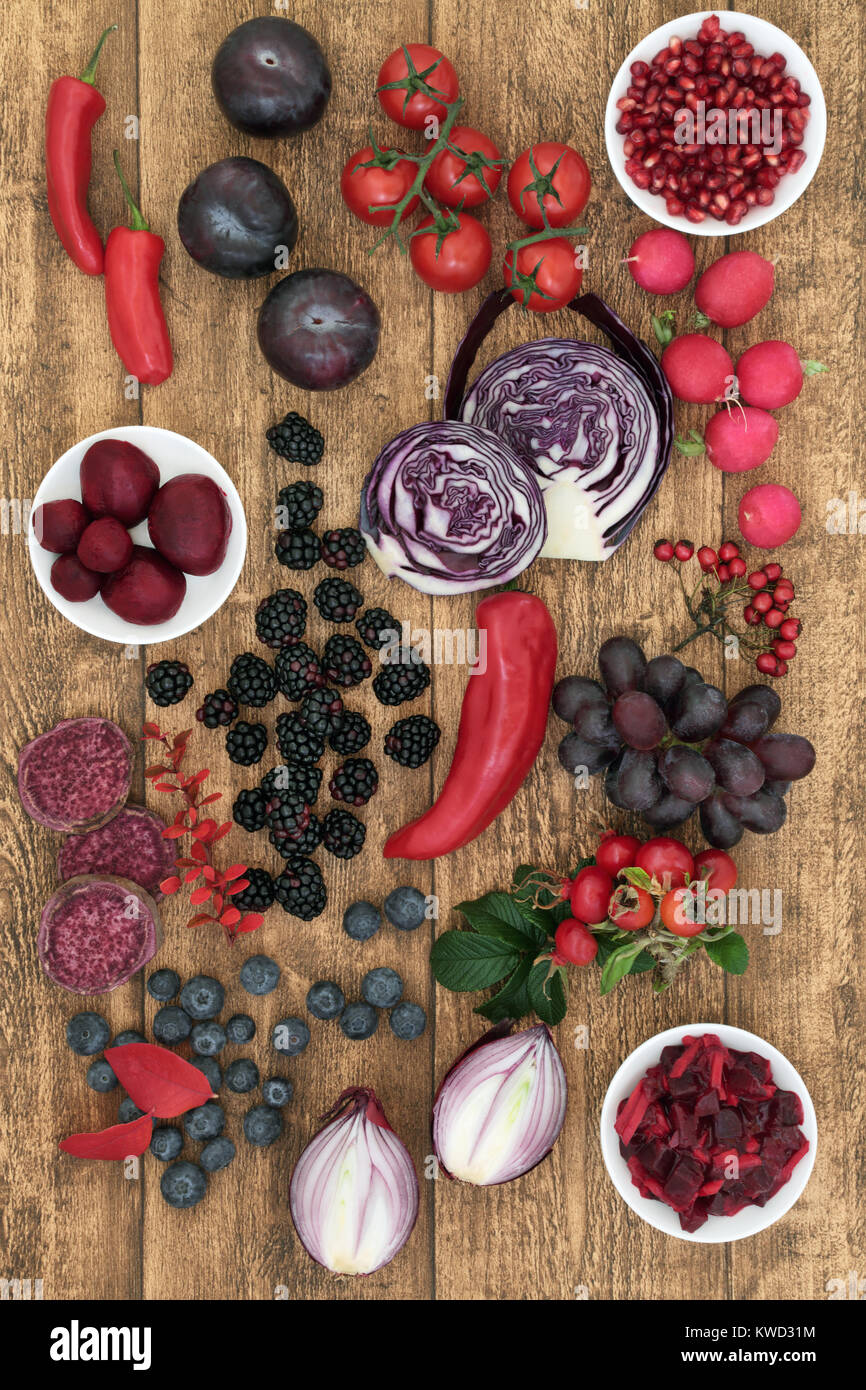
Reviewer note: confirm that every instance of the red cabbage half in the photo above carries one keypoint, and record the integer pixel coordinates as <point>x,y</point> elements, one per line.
<point>450,509</point>
<point>596,424</point>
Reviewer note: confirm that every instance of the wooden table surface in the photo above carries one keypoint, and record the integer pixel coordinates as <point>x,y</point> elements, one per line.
<point>527,73</point>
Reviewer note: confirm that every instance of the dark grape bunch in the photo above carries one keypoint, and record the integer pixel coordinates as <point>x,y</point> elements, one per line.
<point>669,744</point>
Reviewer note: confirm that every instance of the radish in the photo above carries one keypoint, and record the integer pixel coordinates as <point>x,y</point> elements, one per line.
<point>661,261</point>
<point>735,288</point>
<point>770,374</point>
<point>698,368</point>
<point>740,439</point>
<point>769,515</point>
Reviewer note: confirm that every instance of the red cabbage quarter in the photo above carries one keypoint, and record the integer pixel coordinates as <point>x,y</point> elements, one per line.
<point>451,509</point>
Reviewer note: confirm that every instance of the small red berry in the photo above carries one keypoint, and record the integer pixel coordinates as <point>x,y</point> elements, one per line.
<point>737,567</point>
<point>728,550</point>
<point>663,550</point>
<point>751,616</point>
<point>763,602</point>
<point>784,590</point>
<point>757,580</point>
<point>767,663</point>
<point>774,618</point>
<point>781,603</point>
<point>781,668</point>
<point>772,571</point>
<point>785,650</point>
<point>790,629</point>
<point>724,574</point>
<point>684,550</point>
<point>707,557</point>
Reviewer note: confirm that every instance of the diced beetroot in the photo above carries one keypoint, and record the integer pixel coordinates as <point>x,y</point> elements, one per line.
<point>707,1104</point>
<point>655,1122</point>
<point>632,1113</point>
<point>684,1087</point>
<point>685,1127</point>
<point>656,1159</point>
<point>686,1058</point>
<point>786,1108</point>
<point>668,1057</point>
<point>792,1162</point>
<point>694,1219</point>
<point>710,1188</point>
<point>757,1181</point>
<point>681,1187</point>
<point>727,1125</point>
<point>717,1068</point>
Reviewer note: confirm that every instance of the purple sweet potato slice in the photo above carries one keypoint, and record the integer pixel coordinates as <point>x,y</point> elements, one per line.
<point>131,845</point>
<point>75,776</point>
<point>96,932</point>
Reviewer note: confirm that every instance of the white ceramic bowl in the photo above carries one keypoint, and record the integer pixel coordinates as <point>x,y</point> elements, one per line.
<point>173,454</point>
<point>716,1229</point>
<point>766,39</point>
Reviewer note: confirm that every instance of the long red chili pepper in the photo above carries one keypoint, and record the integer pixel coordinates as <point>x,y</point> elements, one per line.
<point>135,318</point>
<point>74,107</point>
<point>502,727</point>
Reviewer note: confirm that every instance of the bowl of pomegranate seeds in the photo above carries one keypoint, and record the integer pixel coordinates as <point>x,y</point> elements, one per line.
<point>715,124</point>
<point>708,1133</point>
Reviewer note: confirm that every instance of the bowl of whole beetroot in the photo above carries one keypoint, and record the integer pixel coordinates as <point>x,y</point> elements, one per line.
<point>708,1133</point>
<point>137,535</point>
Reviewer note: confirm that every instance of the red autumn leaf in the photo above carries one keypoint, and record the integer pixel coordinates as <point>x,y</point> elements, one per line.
<point>234,871</point>
<point>181,863</point>
<point>174,832</point>
<point>251,922</point>
<point>204,829</point>
<point>198,852</point>
<point>192,874</point>
<point>214,796</point>
<point>237,887</point>
<point>170,885</point>
<point>151,730</point>
<point>199,895</point>
<point>157,1079</point>
<point>199,919</point>
<point>209,873</point>
<point>119,1141</point>
<point>156,771</point>
<point>223,830</point>
<point>199,777</point>
<point>230,916</point>
<point>164,787</point>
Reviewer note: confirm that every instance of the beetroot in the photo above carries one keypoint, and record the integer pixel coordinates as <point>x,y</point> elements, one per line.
<point>105,546</point>
<point>130,845</point>
<point>59,526</point>
<point>707,1132</point>
<point>74,581</point>
<point>119,480</point>
<point>96,932</point>
<point>189,523</point>
<point>75,776</point>
<point>148,590</point>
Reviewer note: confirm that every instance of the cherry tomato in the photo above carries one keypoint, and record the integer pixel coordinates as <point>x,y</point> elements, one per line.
<point>575,943</point>
<point>616,852</point>
<point>376,187</point>
<point>552,268</point>
<point>665,856</point>
<point>678,910</point>
<point>632,918</point>
<point>408,104</point>
<point>590,894</point>
<point>564,193</point>
<point>722,869</point>
<point>463,258</point>
<point>450,178</point>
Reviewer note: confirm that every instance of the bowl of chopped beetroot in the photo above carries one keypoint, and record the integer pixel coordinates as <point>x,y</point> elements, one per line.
<point>708,1132</point>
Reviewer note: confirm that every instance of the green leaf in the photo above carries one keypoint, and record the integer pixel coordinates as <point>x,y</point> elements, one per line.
<point>663,326</point>
<point>641,963</point>
<point>512,1001</point>
<point>547,992</point>
<point>464,961</point>
<point>812,368</point>
<point>690,446</point>
<point>731,953</point>
<point>618,965</point>
<point>497,914</point>
<point>699,321</point>
<point>639,877</point>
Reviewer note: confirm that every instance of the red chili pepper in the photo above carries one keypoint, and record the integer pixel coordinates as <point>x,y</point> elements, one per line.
<point>502,727</point>
<point>135,318</point>
<point>74,107</point>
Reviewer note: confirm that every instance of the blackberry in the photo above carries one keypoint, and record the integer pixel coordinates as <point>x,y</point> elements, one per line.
<point>337,600</point>
<point>298,505</point>
<point>281,619</point>
<point>343,549</point>
<point>343,835</point>
<point>296,740</point>
<point>167,682</point>
<point>345,661</point>
<point>298,671</point>
<point>403,679</point>
<point>246,743</point>
<point>353,734</point>
<point>259,895</point>
<point>298,550</point>
<point>300,779</point>
<point>249,809</point>
<point>218,709</point>
<point>322,711</point>
<point>307,842</point>
<point>251,680</point>
<point>296,440</point>
<point>377,628</point>
<point>354,782</point>
<point>300,888</point>
<point>411,741</point>
<point>288,818</point>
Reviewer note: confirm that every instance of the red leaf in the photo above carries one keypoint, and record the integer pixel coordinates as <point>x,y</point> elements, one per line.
<point>199,777</point>
<point>230,916</point>
<point>204,829</point>
<point>119,1141</point>
<point>170,885</point>
<point>192,814</point>
<point>214,796</point>
<point>198,852</point>
<point>182,737</point>
<point>237,887</point>
<point>151,730</point>
<point>156,771</point>
<point>174,832</point>
<point>209,873</point>
<point>200,895</point>
<point>234,871</point>
<point>181,863</point>
<point>191,874</point>
<point>199,919</point>
<point>164,787</point>
<point>158,1080</point>
<point>251,922</point>
<point>223,830</point>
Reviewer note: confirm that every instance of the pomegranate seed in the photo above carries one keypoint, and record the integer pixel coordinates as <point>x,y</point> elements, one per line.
<point>704,197</point>
<point>740,67</point>
<point>725,67</point>
<point>713,181</point>
<point>661,57</point>
<point>742,50</point>
<point>736,212</point>
<point>736,189</point>
<point>767,68</point>
<point>722,201</point>
<point>673,66</point>
<point>638,138</point>
<point>652,94</point>
<point>804,99</point>
<point>751,197</point>
<point>632,166</point>
<point>797,160</point>
<point>651,160</point>
<point>675,207</point>
<point>625,123</point>
<point>779,60</point>
<point>639,69</point>
<point>641,177</point>
<point>710,27</point>
<point>750,161</point>
<point>675,44</point>
<point>695,214</point>
<point>691,101</point>
<point>626,104</point>
<point>692,64</point>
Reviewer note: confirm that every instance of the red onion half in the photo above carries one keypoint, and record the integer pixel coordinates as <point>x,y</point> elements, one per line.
<point>354,1191</point>
<point>499,1110</point>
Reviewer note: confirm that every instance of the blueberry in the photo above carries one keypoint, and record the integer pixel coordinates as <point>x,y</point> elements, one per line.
<point>99,1076</point>
<point>242,1075</point>
<point>205,1121</point>
<point>171,1024</point>
<point>209,1068</point>
<point>202,997</point>
<point>216,1154</point>
<point>163,985</point>
<point>260,975</point>
<point>130,1036</point>
<point>166,1143</point>
<point>382,987</point>
<point>183,1184</point>
<point>407,1020</point>
<point>128,1111</point>
<point>359,1021</point>
<point>87,1034</point>
<point>361,921</point>
<point>291,1036</point>
<point>406,908</point>
<point>278,1091</point>
<point>240,1029</point>
<point>208,1038</point>
<point>262,1125</point>
<point>325,999</point>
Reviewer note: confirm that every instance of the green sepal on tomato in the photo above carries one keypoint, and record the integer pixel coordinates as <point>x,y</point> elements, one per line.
<point>374,181</point>
<point>549,185</point>
<point>450,251</point>
<point>544,275</point>
<point>467,172</point>
<point>416,83</point>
